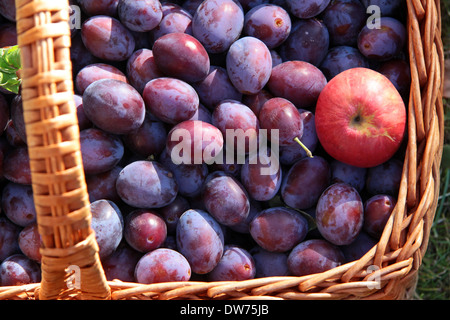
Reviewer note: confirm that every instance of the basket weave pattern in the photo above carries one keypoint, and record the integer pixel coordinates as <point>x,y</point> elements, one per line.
<point>58,179</point>
<point>59,188</point>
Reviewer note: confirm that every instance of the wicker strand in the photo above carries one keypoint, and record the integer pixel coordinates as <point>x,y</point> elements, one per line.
<point>59,188</point>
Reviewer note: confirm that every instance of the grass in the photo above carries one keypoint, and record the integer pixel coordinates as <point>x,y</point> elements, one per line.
<point>434,273</point>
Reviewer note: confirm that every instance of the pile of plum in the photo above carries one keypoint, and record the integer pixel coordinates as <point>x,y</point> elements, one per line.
<point>151,77</point>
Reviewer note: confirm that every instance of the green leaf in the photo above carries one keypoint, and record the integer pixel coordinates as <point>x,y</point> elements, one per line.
<point>12,57</point>
<point>5,67</point>
<point>9,65</point>
<point>12,85</point>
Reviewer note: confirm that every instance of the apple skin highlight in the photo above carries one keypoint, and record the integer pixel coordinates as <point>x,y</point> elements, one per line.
<point>360,118</point>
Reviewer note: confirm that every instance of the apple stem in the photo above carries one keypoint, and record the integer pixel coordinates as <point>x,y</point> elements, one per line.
<point>308,152</point>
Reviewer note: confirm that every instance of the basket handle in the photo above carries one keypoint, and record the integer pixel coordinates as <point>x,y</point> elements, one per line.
<point>58,181</point>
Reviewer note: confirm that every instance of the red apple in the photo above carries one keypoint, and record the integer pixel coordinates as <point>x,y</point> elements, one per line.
<point>360,118</point>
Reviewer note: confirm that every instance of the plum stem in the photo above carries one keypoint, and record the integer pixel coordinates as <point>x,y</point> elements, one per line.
<point>308,152</point>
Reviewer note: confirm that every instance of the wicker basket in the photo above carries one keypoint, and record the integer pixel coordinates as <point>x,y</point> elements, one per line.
<point>62,203</point>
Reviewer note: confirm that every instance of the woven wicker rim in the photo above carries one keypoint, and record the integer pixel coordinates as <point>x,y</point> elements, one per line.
<point>58,178</point>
